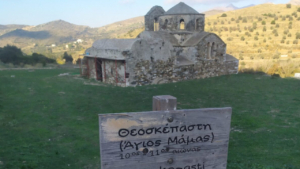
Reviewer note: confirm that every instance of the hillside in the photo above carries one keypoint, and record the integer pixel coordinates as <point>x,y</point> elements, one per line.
<point>256,34</point>
<point>61,32</point>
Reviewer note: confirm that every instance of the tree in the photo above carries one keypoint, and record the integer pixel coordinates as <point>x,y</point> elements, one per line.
<point>224,15</point>
<point>67,57</point>
<point>273,22</point>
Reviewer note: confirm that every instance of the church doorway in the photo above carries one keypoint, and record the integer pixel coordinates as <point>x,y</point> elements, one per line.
<point>98,66</point>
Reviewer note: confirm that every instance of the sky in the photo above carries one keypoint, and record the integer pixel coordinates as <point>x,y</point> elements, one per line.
<point>97,13</point>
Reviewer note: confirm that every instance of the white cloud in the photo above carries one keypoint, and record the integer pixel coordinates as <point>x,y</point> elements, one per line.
<point>126,1</point>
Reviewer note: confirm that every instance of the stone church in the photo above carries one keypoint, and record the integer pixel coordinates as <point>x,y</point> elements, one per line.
<point>174,47</point>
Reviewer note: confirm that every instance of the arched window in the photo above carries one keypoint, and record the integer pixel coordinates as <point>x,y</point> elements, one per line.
<point>182,25</point>
<point>212,50</point>
<point>208,50</point>
<point>156,24</point>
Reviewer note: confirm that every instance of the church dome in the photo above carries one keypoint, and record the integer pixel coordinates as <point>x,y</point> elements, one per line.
<point>181,8</point>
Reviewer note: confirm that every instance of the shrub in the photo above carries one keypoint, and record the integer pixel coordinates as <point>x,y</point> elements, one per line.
<point>229,39</point>
<point>283,18</point>
<point>241,58</point>
<point>277,26</point>
<point>273,22</point>
<point>295,41</point>
<point>242,38</point>
<point>254,25</point>
<point>256,33</point>
<point>276,55</point>
<point>294,55</point>
<point>245,20</point>
<point>251,57</point>
<point>286,31</point>
<point>290,18</point>
<point>263,22</point>
<point>290,26</point>
<point>282,41</point>
<point>222,22</point>
<point>288,5</point>
<point>284,37</point>
<point>265,40</point>
<point>297,35</point>
<point>289,35</point>
<point>259,50</point>
<point>240,18</point>
<point>287,42</point>
<point>255,38</point>
<point>232,19</point>
<point>224,15</point>
<point>264,29</point>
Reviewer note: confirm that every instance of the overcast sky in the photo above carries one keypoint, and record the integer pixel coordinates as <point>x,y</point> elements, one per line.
<point>96,13</point>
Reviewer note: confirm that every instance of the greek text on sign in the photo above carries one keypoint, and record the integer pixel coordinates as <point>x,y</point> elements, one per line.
<point>182,139</point>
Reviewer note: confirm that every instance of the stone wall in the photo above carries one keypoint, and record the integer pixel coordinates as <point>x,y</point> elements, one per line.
<point>113,72</point>
<point>147,72</point>
<point>172,22</point>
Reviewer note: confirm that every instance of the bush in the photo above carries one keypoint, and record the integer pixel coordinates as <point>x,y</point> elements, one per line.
<point>295,42</point>
<point>273,22</point>
<point>288,5</point>
<point>264,29</point>
<point>245,20</point>
<point>259,50</point>
<point>283,18</point>
<point>229,39</point>
<point>287,42</point>
<point>255,38</point>
<point>232,19</point>
<point>251,57</point>
<point>265,40</point>
<point>289,35</point>
<point>298,9</point>
<point>282,41</point>
<point>277,26</point>
<point>242,38</point>
<point>263,22</point>
<point>224,15</point>
<point>297,35</point>
<point>13,55</point>
<point>254,25</point>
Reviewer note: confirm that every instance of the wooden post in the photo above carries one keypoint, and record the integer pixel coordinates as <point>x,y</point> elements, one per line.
<point>164,102</point>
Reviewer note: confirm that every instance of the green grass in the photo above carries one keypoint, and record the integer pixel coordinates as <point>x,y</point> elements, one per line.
<point>48,121</point>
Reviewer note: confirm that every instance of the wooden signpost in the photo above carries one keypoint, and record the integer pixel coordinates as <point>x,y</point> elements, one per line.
<point>166,138</point>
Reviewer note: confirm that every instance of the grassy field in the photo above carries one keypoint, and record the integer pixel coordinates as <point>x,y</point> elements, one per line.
<point>47,121</point>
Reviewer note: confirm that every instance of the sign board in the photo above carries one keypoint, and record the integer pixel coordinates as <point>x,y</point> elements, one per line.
<point>179,139</point>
